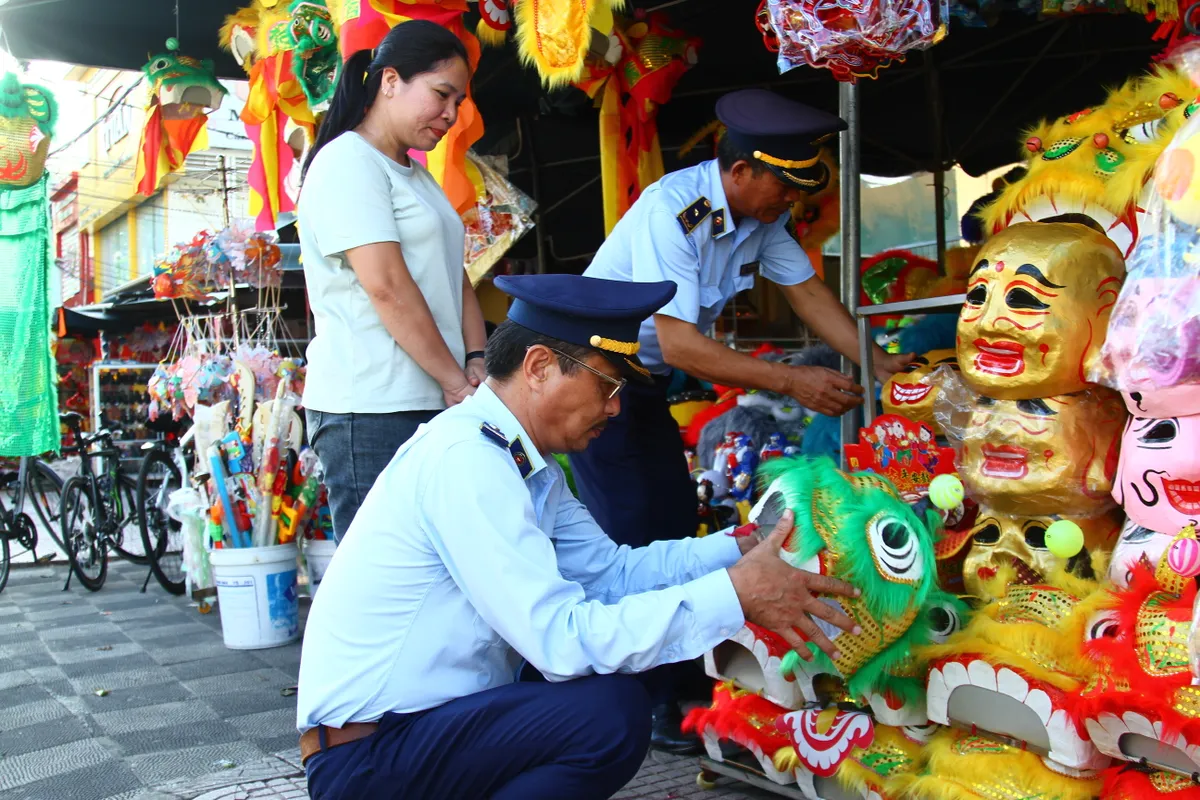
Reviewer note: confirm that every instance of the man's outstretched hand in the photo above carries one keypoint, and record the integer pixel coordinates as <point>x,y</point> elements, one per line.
<point>779,597</point>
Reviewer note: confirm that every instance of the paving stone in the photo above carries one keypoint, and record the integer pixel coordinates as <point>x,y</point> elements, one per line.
<point>153,632</point>
<point>218,685</point>
<point>153,717</point>
<point>42,764</point>
<point>47,673</point>
<point>110,778</point>
<point>190,652</point>
<point>18,677</point>
<point>136,696</point>
<point>177,737</point>
<point>15,627</point>
<point>266,724</point>
<point>231,662</point>
<point>77,628</point>
<point>62,612</point>
<point>124,663</point>
<point>32,713</point>
<point>155,767</point>
<point>96,652</point>
<point>239,703</point>
<point>122,679</point>
<point>16,741</point>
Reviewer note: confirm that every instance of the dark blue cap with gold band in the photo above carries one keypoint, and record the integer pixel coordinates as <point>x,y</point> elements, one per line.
<point>591,312</point>
<point>781,134</point>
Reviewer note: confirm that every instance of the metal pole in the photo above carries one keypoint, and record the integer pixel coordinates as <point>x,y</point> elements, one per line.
<point>851,255</point>
<point>933,88</point>
<point>535,177</point>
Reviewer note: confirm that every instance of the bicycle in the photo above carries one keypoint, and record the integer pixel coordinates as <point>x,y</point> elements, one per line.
<point>164,469</point>
<point>42,485</point>
<point>97,506</point>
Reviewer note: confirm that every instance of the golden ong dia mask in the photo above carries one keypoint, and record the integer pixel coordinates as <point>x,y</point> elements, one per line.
<point>910,393</point>
<point>1037,308</point>
<point>1000,541</point>
<point>1050,455</point>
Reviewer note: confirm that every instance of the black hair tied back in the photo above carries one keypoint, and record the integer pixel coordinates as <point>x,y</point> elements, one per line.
<point>410,48</point>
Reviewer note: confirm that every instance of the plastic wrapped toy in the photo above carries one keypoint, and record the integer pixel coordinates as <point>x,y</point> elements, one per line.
<point>910,393</point>
<point>502,214</point>
<point>854,38</point>
<point>1048,455</point>
<point>1158,476</point>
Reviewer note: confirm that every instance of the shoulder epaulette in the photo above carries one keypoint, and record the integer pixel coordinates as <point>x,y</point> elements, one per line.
<point>694,214</point>
<point>515,448</point>
<point>718,223</point>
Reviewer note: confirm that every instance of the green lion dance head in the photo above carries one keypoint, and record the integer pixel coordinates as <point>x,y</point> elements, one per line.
<point>857,528</point>
<point>314,43</point>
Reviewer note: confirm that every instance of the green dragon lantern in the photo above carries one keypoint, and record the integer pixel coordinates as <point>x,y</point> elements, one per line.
<point>27,117</point>
<point>183,90</point>
<point>857,528</point>
<point>185,86</point>
<point>315,49</point>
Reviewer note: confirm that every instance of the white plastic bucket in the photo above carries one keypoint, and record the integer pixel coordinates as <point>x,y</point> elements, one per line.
<point>318,553</point>
<point>256,592</point>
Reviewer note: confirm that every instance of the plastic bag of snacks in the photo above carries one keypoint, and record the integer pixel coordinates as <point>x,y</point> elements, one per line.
<point>854,38</point>
<point>501,216</point>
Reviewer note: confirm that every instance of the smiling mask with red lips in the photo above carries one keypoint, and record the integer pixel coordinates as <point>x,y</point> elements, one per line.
<point>1053,455</point>
<point>1158,478</point>
<point>910,393</point>
<point>1037,308</point>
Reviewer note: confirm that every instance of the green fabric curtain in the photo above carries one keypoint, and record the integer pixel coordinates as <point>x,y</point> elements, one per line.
<point>28,393</point>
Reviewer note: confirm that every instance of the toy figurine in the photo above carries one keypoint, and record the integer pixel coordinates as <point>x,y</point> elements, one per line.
<point>774,448</point>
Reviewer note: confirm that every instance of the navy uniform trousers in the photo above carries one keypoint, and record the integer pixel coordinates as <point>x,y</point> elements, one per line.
<point>634,480</point>
<point>581,739</point>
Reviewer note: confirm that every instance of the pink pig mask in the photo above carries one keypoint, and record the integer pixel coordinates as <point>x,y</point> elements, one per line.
<point>1158,475</point>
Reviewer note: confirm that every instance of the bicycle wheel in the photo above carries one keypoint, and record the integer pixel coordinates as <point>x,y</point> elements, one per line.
<point>162,537</point>
<point>127,542</point>
<point>86,551</point>
<point>43,487</point>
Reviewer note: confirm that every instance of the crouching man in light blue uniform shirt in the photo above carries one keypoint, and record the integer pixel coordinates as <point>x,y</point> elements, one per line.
<point>470,556</point>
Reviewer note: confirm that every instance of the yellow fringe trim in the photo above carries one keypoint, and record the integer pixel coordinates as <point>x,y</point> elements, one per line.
<point>489,35</point>
<point>714,127</point>
<point>554,36</point>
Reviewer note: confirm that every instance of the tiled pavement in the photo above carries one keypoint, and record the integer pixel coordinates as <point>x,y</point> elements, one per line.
<point>117,694</point>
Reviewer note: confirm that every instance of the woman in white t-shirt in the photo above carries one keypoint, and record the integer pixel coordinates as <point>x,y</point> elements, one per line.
<point>399,333</point>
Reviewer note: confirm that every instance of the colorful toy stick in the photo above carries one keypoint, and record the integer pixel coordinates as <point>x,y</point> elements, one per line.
<point>238,535</point>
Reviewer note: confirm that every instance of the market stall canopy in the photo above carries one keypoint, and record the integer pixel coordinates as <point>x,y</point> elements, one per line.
<point>121,34</point>
<point>993,81</point>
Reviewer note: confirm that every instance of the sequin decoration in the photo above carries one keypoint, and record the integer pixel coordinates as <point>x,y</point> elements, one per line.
<point>1044,605</point>
<point>884,759</point>
<point>1162,643</point>
<point>1187,701</point>
<point>1166,782</point>
<point>969,744</point>
<point>857,650</point>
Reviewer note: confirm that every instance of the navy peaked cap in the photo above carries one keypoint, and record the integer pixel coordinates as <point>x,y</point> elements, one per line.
<point>781,134</point>
<point>591,312</point>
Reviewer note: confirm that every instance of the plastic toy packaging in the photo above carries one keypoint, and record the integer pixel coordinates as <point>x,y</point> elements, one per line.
<point>502,215</point>
<point>186,506</point>
<point>854,38</point>
<point>1154,332</point>
<point>1050,455</point>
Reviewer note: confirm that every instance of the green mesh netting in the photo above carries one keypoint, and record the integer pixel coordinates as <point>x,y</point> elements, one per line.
<point>28,402</point>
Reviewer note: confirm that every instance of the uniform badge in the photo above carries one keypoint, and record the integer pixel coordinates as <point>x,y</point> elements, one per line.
<point>515,448</point>
<point>718,223</point>
<point>694,214</point>
<point>749,269</point>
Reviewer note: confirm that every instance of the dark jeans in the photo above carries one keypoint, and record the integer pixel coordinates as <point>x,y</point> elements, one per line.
<point>582,739</point>
<point>354,449</point>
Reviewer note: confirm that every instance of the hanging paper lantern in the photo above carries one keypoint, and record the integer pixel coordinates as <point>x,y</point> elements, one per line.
<point>27,116</point>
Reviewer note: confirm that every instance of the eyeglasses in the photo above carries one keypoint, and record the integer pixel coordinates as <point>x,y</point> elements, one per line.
<point>617,383</point>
